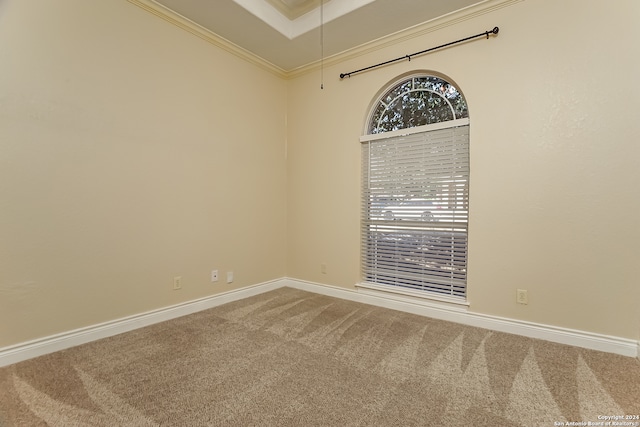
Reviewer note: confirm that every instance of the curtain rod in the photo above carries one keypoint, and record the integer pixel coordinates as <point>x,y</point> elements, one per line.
<point>486,33</point>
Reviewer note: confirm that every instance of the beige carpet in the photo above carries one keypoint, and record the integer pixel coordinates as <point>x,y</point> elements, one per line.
<point>293,358</point>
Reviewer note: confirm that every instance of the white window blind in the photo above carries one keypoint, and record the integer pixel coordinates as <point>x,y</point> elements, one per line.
<point>415,211</point>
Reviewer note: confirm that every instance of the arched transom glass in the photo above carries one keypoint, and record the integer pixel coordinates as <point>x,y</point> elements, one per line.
<point>417,101</point>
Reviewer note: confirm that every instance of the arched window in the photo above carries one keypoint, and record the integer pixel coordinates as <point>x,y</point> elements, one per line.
<point>417,101</point>
<point>415,191</point>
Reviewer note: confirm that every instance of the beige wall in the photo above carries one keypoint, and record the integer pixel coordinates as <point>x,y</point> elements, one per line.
<point>130,152</point>
<point>554,161</point>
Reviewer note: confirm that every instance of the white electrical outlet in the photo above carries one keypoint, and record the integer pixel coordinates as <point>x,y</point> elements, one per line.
<point>214,276</point>
<point>177,283</point>
<point>229,276</point>
<point>522,297</point>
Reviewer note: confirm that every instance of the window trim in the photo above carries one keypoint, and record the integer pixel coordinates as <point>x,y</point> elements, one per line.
<point>421,297</point>
<point>398,81</point>
<point>415,296</point>
<point>418,129</point>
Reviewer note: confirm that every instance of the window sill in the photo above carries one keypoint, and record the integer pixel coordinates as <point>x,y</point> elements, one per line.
<point>414,297</point>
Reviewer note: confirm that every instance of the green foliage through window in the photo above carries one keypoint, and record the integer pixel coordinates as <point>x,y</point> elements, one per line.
<point>417,101</point>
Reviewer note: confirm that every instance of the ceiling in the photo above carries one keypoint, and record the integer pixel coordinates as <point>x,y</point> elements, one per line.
<point>287,33</point>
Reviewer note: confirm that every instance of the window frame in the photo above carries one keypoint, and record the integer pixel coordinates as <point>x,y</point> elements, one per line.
<point>366,220</point>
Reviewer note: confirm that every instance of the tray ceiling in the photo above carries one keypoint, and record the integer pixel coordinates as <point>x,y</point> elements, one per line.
<point>286,33</point>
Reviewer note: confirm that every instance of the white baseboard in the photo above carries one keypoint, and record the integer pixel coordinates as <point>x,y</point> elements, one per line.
<point>609,344</point>
<point>53,343</point>
<point>452,313</point>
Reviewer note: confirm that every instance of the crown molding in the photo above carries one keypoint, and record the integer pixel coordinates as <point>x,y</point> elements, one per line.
<point>453,18</point>
<point>207,35</point>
